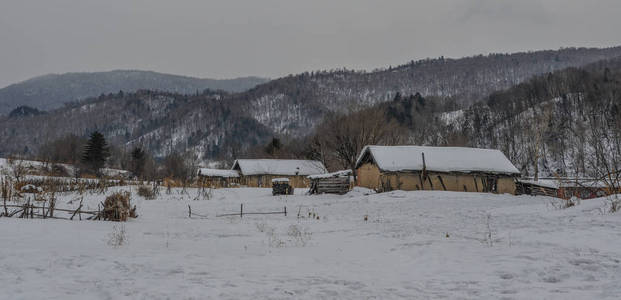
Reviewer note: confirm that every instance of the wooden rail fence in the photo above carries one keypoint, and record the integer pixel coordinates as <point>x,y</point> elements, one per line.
<point>241,212</point>
<point>30,210</point>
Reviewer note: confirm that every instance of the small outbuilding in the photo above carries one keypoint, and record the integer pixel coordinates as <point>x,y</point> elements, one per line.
<point>386,168</point>
<point>218,178</point>
<point>280,186</point>
<point>583,188</point>
<point>331,183</point>
<point>260,172</point>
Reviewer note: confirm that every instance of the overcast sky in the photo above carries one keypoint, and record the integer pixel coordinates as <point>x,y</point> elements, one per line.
<point>230,38</point>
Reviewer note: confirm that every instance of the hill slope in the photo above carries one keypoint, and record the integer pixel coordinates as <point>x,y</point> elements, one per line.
<point>52,91</point>
<point>161,122</point>
<point>293,104</point>
<point>564,123</point>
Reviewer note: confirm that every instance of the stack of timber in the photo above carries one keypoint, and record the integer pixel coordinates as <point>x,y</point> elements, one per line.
<point>331,183</point>
<point>525,187</point>
<point>281,186</point>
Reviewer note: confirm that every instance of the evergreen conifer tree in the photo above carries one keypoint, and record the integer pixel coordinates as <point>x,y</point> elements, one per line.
<point>95,152</point>
<point>138,160</point>
<point>273,147</point>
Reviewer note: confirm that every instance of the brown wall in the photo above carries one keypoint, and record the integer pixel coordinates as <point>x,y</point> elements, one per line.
<point>266,181</point>
<point>218,182</point>
<point>370,176</point>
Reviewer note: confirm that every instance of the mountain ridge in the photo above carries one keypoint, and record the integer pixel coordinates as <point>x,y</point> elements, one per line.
<point>50,91</point>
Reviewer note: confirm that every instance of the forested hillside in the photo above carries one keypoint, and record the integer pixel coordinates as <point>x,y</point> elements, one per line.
<point>52,91</point>
<point>160,122</point>
<point>564,123</point>
<point>293,104</point>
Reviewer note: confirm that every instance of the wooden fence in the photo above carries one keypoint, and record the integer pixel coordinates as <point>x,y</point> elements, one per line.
<point>241,213</point>
<point>29,210</point>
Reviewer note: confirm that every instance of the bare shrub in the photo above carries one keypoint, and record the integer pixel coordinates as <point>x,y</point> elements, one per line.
<point>117,207</point>
<point>204,193</point>
<point>59,170</point>
<point>6,190</point>
<point>146,192</point>
<point>18,168</point>
<point>489,233</point>
<point>614,204</point>
<point>118,236</point>
<point>262,227</point>
<point>558,203</point>
<point>295,236</point>
<point>299,235</point>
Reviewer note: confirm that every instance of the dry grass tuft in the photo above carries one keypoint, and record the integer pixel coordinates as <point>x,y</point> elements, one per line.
<point>146,192</point>
<point>117,207</point>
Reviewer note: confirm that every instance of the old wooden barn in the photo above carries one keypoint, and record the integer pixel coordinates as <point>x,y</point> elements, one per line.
<point>260,172</point>
<point>385,168</point>
<point>218,178</point>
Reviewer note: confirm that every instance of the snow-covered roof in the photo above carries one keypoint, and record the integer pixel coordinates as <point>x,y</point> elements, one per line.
<point>217,173</point>
<point>342,173</point>
<point>556,183</point>
<point>279,167</point>
<point>438,159</point>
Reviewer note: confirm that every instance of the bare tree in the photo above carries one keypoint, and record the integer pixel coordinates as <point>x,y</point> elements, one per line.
<point>340,138</point>
<point>18,168</point>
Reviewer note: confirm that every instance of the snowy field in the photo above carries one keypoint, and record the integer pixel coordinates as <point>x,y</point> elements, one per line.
<point>417,245</point>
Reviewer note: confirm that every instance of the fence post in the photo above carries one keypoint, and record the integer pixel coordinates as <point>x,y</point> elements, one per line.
<point>6,211</point>
<point>189,211</point>
<point>285,211</point>
<point>241,210</point>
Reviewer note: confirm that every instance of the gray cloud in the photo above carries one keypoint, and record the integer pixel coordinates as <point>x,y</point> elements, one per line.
<point>272,38</point>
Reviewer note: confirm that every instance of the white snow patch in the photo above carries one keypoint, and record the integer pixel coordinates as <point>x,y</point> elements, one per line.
<point>218,173</point>
<point>279,167</point>
<point>416,245</point>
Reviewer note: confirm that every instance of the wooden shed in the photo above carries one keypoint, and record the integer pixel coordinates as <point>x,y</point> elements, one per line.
<point>331,183</point>
<point>260,172</point>
<point>583,188</point>
<point>386,168</point>
<point>218,178</point>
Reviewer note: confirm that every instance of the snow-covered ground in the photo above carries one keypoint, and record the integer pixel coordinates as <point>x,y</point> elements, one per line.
<point>412,245</point>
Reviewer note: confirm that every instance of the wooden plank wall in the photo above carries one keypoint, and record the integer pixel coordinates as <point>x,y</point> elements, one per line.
<point>334,185</point>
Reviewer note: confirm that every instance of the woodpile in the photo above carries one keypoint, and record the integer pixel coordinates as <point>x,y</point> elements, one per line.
<point>281,186</point>
<point>31,189</point>
<point>332,183</point>
<point>117,207</point>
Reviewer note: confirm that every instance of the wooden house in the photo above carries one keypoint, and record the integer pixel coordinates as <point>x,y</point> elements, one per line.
<point>386,168</point>
<point>331,183</point>
<point>260,172</point>
<point>218,178</point>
